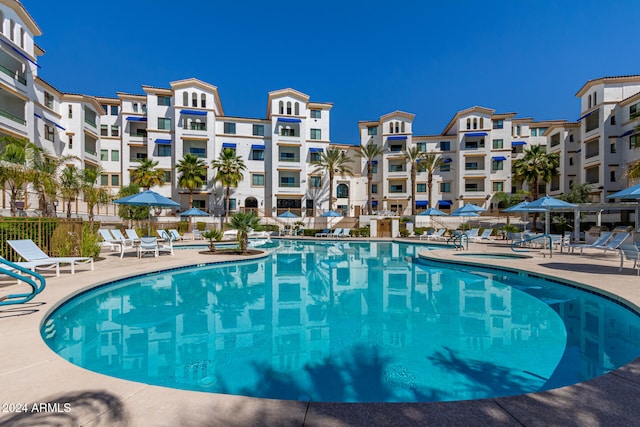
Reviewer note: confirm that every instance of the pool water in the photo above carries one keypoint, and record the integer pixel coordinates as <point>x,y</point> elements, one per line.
<point>345,322</point>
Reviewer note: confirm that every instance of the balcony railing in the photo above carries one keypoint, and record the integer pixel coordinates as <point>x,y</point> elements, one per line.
<point>90,122</point>
<point>13,74</point>
<point>290,184</point>
<point>15,118</point>
<point>198,126</point>
<point>290,159</point>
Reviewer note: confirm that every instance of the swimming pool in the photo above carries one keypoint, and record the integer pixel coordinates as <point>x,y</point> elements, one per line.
<point>345,321</point>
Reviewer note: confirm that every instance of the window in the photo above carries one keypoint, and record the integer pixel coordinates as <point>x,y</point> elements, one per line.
<point>104,130</point>
<point>164,123</point>
<point>104,155</point>
<point>166,176</point>
<point>281,107</point>
<point>316,114</point>
<point>534,132</point>
<point>144,108</point>
<point>421,188</point>
<point>595,98</point>
<point>104,180</point>
<point>475,123</point>
<point>497,165</point>
<point>135,107</point>
<point>164,150</point>
<point>287,131</point>
<point>316,134</point>
<point>372,130</point>
<point>185,99</point>
<point>164,100</point>
<point>203,101</point>
<point>612,148</point>
<point>445,145</point>
<point>48,100</point>
<point>374,168</point>
<point>634,141</point>
<point>592,121</point>
<point>70,112</point>
<point>498,124</point>
<point>468,124</point>
<point>315,181</point>
<point>257,180</point>
<point>342,191</point>
<point>115,155</point>
<point>229,128</point>
<point>570,137</point>
<point>481,123</point>
<point>141,133</point>
<point>471,166</point>
<point>445,187</point>
<point>200,204</point>
<point>198,152</point>
<point>396,188</point>
<point>473,186</point>
<point>497,186</point>
<point>445,167</point>
<point>613,120</point>
<point>422,146</point>
<point>314,157</point>
<point>115,180</point>
<point>397,128</point>
<point>589,101</point>
<point>497,144</point>
<point>402,127</point>
<point>70,142</point>
<point>287,181</point>
<point>194,99</point>
<point>49,134</point>
<point>114,110</point>
<point>592,175</point>
<point>390,127</point>
<point>289,108</point>
<point>555,140</point>
<point>571,161</point>
<point>257,154</point>
<point>396,148</point>
<point>612,176</point>
<point>286,156</point>
<point>634,109</point>
<point>115,130</point>
<point>592,149</point>
<point>374,188</point>
<point>258,130</point>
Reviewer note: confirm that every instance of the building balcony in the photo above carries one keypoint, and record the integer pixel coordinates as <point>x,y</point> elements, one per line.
<point>290,184</point>
<point>12,117</point>
<point>91,123</point>
<point>14,74</point>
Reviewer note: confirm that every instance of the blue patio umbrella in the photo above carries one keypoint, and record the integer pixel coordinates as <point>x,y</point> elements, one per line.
<point>288,215</point>
<point>432,212</point>
<point>468,208</point>
<point>627,193</point>
<point>331,214</point>
<point>193,212</point>
<point>522,207</point>
<point>547,204</point>
<point>149,199</point>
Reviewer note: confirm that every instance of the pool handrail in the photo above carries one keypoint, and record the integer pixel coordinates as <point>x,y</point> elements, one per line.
<point>514,245</point>
<point>24,297</point>
<point>459,237</point>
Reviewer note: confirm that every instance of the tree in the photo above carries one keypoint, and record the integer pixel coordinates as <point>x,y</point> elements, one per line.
<point>229,173</point>
<point>430,162</point>
<point>536,165</point>
<point>369,152</point>
<point>45,180</point>
<point>146,175</point>
<point>244,223</point>
<point>413,157</point>
<point>130,212</point>
<point>193,174</point>
<point>16,172</point>
<point>332,161</point>
<point>93,194</point>
<point>70,185</point>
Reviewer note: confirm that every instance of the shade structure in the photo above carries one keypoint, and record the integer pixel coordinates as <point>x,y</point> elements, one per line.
<point>627,193</point>
<point>194,212</point>
<point>288,215</point>
<point>149,199</point>
<point>547,204</point>
<point>522,207</point>
<point>467,209</point>
<point>432,212</point>
<point>330,214</point>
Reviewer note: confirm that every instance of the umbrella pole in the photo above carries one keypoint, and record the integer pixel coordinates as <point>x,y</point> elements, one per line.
<point>149,222</point>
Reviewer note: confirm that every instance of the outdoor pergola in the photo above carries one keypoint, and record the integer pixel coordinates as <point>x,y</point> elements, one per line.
<point>598,209</point>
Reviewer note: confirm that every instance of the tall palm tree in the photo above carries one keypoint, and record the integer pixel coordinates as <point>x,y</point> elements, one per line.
<point>45,180</point>
<point>430,162</point>
<point>146,175</point>
<point>93,194</point>
<point>536,166</point>
<point>332,161</point>
<point>414,157</point>
<point>244,223</point>
<point>369,152</point>
<point>229,169</point>
<point>16,168</point>
<point>193,174</point>
<point>70,185</point>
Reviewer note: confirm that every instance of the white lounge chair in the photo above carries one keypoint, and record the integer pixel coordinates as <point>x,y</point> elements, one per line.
<point>632,253</point>
<point>108,240</point>
<point>336,233</point>
<point>346,232</point>
<point>615,243</point>
<point>148,245</point>
<point>599,242</point>
<point>324,233</point>
<point>486,235</point>
<point>173,233</point>
<point>230,235</point>
<point>33,265</point>
<point>472,234</point>
<point>197,235</point>
<point>438,235</point>
<point>132,234</point>
<point>163,235</point>
<point>30,252</point>
<point>124,242</point>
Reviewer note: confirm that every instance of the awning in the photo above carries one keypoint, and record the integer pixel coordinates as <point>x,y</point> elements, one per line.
<point>445,203</point>
<point>16,50</point>
<point>194,112</point>
<point>517,143</point>
<point>586,115</point>
<point>374,203</point>
<point>627,133</point>
<point>315,150</point>
<point>476,134</point>
<point>228,145</point>
<point>397,138</point>
<point>163,141</point>
<point>287,120</point>
<point>255,147</point>
<point>422,203</point>
<point>447,160</point>
<point>50,121</point>
<point>499,158</point>
<point>136,119</point>
<point>374,162</point>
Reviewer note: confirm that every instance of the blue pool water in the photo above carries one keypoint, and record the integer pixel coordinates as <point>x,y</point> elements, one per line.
<point>345,322</point>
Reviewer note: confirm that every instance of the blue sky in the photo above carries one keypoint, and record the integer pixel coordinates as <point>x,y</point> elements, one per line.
<point>368,58</point>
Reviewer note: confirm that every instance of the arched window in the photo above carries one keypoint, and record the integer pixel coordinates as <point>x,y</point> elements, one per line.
<point>397,128</point>
<point>187,123</point>
<point>185,98</point>
<point>402,127</point>
<point>281,107</point>
<point>203,100</point>
<point>595,99</point>
<point>289,108</point>
<point>194,99</point>
<point>342,191</point>
<point>390,127</point>
<point>481,123</point>
<point>297,109</point>
<point>589,102</point>
<point>468,124</point>
<point>475,123</point>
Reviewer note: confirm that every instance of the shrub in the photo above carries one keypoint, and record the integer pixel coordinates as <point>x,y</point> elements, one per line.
<point>364,232</point>
<point>201,226</point>
<point>182,226</point>
<point>90,245</point>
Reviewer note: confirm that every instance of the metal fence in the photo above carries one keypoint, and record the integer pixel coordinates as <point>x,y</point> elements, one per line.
<point>55,236</point>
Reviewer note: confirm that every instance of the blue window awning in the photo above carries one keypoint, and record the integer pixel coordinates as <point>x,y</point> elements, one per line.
<point>518,143</point>
<point>315,150</point>
<point>288,120</point>
<point>228,145</point>
<point>163,141</point>
<point>447,160</point>
<point>586,115</point>
<point>136,119</point>
<point>194,112</point>
<point>476,134</point>
<point>627,133</point>
<point>256,147</point>
<point>374,162</point>
<point>579,150</point>
<point>50,121</point>
<point>397,138</point>
<point>445,203</point>
<point>374,203</point>
<point>422,203</point>
<point>499,158</point>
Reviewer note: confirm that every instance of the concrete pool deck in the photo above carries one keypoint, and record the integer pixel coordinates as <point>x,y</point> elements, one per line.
<point>30,373</point>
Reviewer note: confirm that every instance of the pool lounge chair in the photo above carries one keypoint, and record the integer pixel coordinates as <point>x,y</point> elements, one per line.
<point>336,233</point>
<point>346,232</point>
<point>173,233</point>
<point>28,250</point>
<point>632,253</point>
<point>148,245</point>
<point>108,240</point>
<point>197,235</point>
<point>230,235</point>
<point>486,235</point>
<point>33,265</point>
<point>163,235</point>
<point>472,234</point>
<point>132,235</point>
<point>615,243</point>
<point>600,241</point>
<point>438,235</point>
<point>324,233</point>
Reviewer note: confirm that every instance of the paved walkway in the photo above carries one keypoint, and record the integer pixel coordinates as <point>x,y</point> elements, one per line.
<point>67,395</point>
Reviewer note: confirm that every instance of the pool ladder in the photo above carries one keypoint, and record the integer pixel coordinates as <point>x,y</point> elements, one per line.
<point>457,241</point>
<point>12,271</point>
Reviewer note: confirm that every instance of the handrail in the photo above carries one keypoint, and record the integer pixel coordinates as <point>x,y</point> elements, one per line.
<point>25,297</point>
<point>459,237</point>
<point>530,239</point>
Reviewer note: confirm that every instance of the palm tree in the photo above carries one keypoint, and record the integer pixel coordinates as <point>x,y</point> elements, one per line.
<point>70,185</point>
<point>536,165</point>
<point>16,171</point>
<point>93,194</point>
<point>45,180</point>
<point>332,161</point>
<point>193,174</point>
<point>430,162</point>
<point>146,175</point>
<point>369,152</point>
<point>244,223</point>
<point>414,157</point>
<point>229,173</point>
